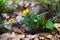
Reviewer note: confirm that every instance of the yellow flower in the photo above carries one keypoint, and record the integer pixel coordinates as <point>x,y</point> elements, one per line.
<point>26,11</point>
<point>11,19</point>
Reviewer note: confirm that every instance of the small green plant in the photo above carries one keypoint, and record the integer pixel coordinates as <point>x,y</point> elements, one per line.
<point>33,21</point>
<point>50,22</point>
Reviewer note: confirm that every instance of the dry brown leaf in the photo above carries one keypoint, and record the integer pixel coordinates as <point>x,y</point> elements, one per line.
<point>57,26</point>
<point>49,36</point>
<point>36,38</point>
<point>42,38</point>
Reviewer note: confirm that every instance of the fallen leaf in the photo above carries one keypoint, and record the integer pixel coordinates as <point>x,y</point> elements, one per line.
<point>42,38</point>
<point>49,36</point>
<point>57,26</point>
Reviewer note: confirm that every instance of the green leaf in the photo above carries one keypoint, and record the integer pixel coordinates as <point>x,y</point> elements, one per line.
<point>41,1</point>
<point>2,5</point>
<point>21,22</point>
<point>27,22</point>
<point>3,29</point>
<point>33,16</point>
<point>50,25</point>
<point>54,18</point>
<point>59,2</point>
<point>41,20</point>
<point>51,1</point>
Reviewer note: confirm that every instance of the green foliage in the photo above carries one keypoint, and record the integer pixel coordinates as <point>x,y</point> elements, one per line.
<point>3,2</point>
<point>41,20</point>
<point>52,1</point>
<point>2,8</point>
<point>2,5</point>
<point>49,23</point>
<point>2,29</point>
<point>41,1</point>
<point>51,5</point>
<point>8,10</point>
<point>59,2</point>
<point>32,20</point>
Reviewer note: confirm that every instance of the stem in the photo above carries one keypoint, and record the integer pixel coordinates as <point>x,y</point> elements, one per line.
<point>54,18</point>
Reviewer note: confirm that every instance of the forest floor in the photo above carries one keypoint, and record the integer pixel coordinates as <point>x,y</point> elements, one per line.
<point>17,32</point>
